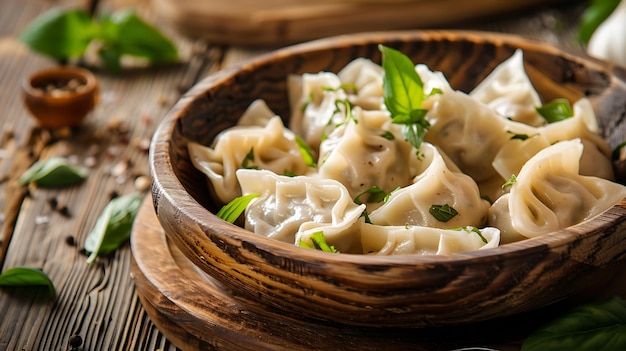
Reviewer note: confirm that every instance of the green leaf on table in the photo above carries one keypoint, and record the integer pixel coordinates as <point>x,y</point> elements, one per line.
<point>125,33</point>
<point>27,276</point>
<point>113,227</point>
<point>597,12</point>
<point>55,172</point>
<point>67,34</point>
<point>60,34</point>
<point>599,327</point>
<point>404,94</point>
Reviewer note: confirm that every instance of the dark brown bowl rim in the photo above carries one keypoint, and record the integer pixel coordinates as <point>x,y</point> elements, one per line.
<point>60,72</point>
<point>188,208</point>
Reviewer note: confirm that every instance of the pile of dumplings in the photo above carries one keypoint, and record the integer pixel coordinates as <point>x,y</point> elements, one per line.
<point>562,171</point>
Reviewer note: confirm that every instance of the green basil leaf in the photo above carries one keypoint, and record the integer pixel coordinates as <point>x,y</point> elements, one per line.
<point>127,34</point>
<point>27,276</point>
<point>232,210</point>
<point>114,225</point>
<point>443,213</point>
<point>597,12</point>
<point>404,94</point>
<point>556,110</point>
<point>55,172</point>
<point>317,242</point>
<point>60,34</point>
<point>599,327</point>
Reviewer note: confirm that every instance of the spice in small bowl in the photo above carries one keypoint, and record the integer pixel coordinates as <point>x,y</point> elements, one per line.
<point>60,97</point>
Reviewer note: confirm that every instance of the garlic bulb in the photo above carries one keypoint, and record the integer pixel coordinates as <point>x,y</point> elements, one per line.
<point>608,42</point>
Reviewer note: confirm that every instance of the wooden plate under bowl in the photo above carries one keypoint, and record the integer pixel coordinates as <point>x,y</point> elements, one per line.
<point>197,313</point>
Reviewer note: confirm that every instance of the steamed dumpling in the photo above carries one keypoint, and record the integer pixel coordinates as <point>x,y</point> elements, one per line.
<point>412,240</point>
<point>313,99</point>
<point>273,147</point>
<point>366,151</point>
<point>289,207</point>
<point>439,185</point>
<point>364,80</point>
<point>550,194</point>
<point>509,92</point>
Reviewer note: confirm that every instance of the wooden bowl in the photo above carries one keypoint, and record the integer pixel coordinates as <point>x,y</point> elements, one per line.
<point>60,96</point>
<point>402,291</point>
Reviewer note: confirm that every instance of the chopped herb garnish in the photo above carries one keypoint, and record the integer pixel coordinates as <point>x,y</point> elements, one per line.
<point>615,155</point>
<point>557,110</point>
<point>288,173</point>
<point>443,213</point>
<point>509,182</point>
<point>248,161</point>
<point>306,152</point>
<point>471,229</point>
<point>388,135</point>
<point>597,12</point>
<point>317,242</point>
<point>435,91</point>
<point>375,193</point>
<point>232,210</point>
<point>403,95</point>
<point>347,109</point>
<point>521,137</point>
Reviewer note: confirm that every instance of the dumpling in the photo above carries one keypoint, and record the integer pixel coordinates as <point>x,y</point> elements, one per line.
<point>272,147</point>
<point>508,90</point>
<point>366,151</point>
<point>314,105</point>
<point>291,207</point>
<point>595,160</point>
<point>257,114</point>
<point>468,131</point>
<point>411,240</point>
<point>366,79</point>
<point>436,185</point>
<point>550,194</point>
<point>432,80</point>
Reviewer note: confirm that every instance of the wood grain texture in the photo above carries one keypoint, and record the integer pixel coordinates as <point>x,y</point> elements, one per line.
<point>386,291</point>
<point>198,313</point>
<point>281,22</point>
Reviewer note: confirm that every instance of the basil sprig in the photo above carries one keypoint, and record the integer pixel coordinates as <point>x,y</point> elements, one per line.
<point>55,172</point>
<point>27,276</point>
<point>404,94</point>
<point>597,326</point>
<point>113,227</point>
<point>65,35</point>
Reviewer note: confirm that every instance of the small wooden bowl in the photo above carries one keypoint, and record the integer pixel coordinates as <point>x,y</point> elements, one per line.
<point>55,104</point>
<point>407,291</point>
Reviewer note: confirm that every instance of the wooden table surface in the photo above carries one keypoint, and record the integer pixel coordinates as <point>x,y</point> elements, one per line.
<point>98,302</point>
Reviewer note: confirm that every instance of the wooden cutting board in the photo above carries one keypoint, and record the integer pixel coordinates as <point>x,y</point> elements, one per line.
<point>280,22</point>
